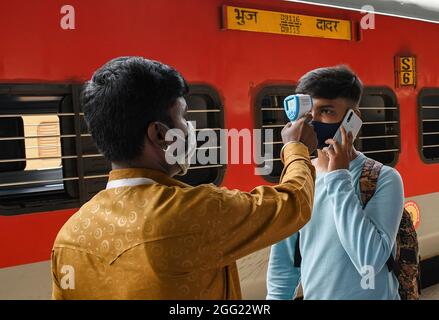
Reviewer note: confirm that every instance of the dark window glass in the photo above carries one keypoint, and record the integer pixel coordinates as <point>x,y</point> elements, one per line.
<point>379,137</point>
<point>429,124</point>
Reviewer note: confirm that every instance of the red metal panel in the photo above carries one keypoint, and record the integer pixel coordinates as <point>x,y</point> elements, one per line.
<point>29,238</point>
<point>187,35</point>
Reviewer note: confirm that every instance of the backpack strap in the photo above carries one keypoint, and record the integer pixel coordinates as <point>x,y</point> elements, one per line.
<point>369,179</point>
<point>368,183</point>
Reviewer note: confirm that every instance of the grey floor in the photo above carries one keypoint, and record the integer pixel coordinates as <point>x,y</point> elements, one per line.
<point>431,293</point>
<point>20,280</point>
<point>20,283</point>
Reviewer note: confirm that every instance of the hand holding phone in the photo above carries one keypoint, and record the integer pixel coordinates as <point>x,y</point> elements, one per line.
<point>340,156</point>
<point>352,123</point>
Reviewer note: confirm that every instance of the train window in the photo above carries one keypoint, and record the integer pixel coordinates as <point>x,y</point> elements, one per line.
<point>39,136</point>
<point>48,159</point>
<point>206,110</point>
<point>378,139</point>
<point>429,125</point>
<point>29,137</point>
<point>270,115</point>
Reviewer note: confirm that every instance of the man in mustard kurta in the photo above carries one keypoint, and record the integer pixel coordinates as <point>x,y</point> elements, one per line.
<point>149,236</point>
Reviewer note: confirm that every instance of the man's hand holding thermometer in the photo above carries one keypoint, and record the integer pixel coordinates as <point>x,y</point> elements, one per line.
<point>296,106</point>
<point>299,129</point>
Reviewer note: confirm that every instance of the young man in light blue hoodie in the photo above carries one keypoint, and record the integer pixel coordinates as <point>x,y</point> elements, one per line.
<point>345,247</point>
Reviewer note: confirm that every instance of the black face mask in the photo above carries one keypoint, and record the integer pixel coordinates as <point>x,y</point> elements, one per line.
<point>324,132</point>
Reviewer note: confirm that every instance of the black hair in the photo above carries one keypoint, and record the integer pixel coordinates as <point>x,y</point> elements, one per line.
<point>123,97</point>
<point>331,83</point>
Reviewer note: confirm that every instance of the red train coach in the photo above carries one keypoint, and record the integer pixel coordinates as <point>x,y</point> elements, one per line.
<point>239,72</point>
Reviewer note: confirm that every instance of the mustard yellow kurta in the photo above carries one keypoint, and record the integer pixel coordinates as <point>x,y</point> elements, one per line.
<point>168,240</point>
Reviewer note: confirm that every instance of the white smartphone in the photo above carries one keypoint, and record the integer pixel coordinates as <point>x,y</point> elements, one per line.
<point>351,123</point>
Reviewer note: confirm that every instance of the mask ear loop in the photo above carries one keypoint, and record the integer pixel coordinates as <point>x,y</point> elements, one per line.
<point>164,149</point>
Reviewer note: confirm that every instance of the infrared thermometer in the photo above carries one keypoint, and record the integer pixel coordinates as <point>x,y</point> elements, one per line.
<point>297,105</point>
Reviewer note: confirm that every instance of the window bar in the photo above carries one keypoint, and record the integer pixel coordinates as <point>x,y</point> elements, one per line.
<point>44,136</point>
<point>378,108</point>
<point>380,151</point>
<point>273,125</point>
<point>61,114</point>
<point>78,144</point>
<point>378,137</point>
<point>203,110</point>
<point>24,183</point>
<point>98,155</point>
<point>380,122</point>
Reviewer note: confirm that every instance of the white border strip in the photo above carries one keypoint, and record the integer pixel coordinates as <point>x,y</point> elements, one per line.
<point>363,11</point>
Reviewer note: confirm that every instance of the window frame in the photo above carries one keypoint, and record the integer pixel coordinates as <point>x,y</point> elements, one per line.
<point>68,198</point>
<point>390,94</point>
<point>46,200</point>
<point>424,91</point>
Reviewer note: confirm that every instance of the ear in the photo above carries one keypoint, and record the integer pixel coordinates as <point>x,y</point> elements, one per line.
<point>156,134</point>
<point>357,111</point>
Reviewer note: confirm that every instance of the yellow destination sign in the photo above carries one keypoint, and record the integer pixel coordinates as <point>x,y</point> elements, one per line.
<point>407,71</point>
<point>245,19</point>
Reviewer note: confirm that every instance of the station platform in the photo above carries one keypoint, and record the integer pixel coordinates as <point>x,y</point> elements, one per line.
<point>431,293</point>
<point>37,275</point>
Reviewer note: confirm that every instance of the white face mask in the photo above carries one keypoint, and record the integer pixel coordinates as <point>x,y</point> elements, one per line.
<point>183,156</point>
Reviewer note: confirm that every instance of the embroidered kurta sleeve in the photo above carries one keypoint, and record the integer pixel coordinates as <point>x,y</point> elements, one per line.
<point>234,224</point>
